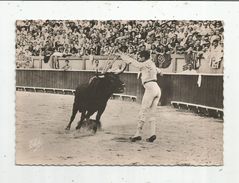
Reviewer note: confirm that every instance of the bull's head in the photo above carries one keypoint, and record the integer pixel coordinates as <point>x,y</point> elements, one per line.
<point>113,80</point>
<point>116,84</point>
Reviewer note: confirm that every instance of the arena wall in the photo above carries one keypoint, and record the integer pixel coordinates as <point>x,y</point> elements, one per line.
<point>203,89</point>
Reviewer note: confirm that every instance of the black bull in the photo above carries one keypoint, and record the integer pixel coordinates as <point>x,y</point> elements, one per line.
<point>93,97</point>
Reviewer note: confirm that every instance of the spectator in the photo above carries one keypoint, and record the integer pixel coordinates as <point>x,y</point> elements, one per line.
<point>66,67</point>
<point>188,69</point>
<point>47,51</point>
<point>215,54</point>
<point>106,37</point>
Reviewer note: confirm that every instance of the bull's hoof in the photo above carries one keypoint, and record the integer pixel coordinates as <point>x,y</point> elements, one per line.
<point>99,126</point>
<point>94,129</point>
<point>78,127</point>
<point>67,128</point>
<point>134,139</point>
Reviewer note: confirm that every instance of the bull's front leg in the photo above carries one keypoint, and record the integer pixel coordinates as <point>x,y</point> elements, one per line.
<point>81,120</point>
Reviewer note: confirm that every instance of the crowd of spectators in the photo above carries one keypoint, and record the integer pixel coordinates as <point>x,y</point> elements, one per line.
<point>84,37</point>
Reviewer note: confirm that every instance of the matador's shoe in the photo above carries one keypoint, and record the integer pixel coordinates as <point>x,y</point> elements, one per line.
<point>134,139</point>
<point>151,139</point>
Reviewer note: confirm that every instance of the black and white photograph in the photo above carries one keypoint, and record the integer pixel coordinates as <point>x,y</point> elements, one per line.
<point>119,92</point>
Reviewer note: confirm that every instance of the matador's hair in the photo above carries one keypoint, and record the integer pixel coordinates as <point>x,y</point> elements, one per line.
<point>144,54</point>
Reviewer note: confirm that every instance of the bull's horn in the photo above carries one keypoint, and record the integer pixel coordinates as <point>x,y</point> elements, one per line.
<point>101,76</point>
<point>109,64</point>
<point>122,70</point>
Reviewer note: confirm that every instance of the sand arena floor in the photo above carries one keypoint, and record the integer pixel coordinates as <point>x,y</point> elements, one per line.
<point>183,138</point>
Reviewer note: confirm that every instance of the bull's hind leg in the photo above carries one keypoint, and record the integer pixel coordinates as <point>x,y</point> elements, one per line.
<point>74,111</point>
<point>98,116</point>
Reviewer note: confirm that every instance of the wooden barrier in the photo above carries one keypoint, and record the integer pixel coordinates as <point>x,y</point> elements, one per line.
<point>67,79</point>
<point>185,88</point>
<point>175,87</point>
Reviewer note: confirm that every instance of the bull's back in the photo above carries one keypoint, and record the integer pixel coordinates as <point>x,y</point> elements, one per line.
<point>87,99</point>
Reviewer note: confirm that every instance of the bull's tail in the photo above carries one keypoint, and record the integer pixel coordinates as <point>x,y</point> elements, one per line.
<point>74,111</point>
<point>77,92</point>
